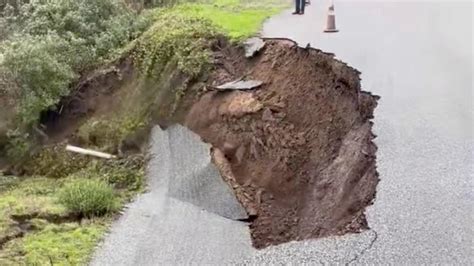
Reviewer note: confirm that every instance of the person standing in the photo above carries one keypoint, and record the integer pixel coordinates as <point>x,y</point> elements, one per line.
<point>299,7</point>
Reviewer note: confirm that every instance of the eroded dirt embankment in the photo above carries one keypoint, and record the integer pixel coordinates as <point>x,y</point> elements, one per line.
<point>298,151</point>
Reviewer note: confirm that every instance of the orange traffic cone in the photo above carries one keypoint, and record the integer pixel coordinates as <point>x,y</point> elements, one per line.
<point>331,21</point>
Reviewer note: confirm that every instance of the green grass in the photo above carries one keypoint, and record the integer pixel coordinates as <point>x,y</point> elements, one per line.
<point>65,244</point>
<point>32,196</point>
<point>41,228</point>
<point>239,19</point>
<point>44,241</point>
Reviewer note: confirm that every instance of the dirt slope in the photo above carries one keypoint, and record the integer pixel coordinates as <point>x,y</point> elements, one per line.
<point>298,151</point>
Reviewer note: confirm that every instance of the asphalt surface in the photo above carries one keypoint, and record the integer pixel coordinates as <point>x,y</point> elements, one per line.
<point>418,57</point>
<point>196,180</point>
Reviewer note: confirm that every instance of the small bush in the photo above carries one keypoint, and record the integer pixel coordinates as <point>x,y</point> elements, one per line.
<point>88,197</point>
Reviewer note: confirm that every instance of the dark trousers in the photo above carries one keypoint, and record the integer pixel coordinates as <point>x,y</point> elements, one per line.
<point>300,6</point>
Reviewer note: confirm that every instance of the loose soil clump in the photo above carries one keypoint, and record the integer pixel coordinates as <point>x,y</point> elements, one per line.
<point>298,151</point>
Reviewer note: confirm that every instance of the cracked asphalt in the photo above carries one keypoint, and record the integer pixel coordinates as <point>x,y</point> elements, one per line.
<point>418,57</point>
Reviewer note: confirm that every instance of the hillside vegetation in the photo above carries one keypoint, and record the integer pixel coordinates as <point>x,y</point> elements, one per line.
<point>48,51</point>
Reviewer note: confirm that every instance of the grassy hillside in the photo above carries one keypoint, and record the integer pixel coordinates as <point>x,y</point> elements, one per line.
<point>44,216</point>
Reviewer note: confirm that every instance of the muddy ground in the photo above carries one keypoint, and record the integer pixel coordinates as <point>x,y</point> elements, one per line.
<point>298,151</point>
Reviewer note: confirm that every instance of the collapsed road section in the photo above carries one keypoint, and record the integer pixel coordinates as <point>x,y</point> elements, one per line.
<point>297,150</point>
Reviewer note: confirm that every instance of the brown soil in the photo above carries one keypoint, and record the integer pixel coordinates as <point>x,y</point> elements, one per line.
<point>298,151</point>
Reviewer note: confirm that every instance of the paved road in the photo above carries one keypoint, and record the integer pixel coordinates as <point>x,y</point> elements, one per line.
<point>418,57</point>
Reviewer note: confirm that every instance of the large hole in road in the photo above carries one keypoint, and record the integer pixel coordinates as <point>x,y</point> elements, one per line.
<point>298,149</point>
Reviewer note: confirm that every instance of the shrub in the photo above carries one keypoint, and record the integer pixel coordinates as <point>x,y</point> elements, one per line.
<point>40,66</point>
<point>88,197</point>
<point>91,20</point>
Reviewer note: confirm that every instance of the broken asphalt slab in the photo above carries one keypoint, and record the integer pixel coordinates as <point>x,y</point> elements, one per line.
<point>195,178</point>
<point>240,85</point>
<point>253,46</point>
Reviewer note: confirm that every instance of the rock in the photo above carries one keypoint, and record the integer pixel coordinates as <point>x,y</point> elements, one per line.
<point>267,115</point>
<point>239,154</point>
